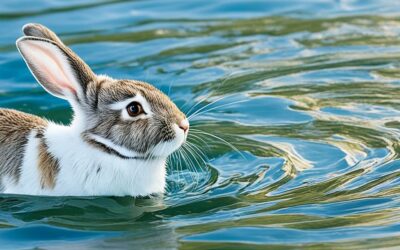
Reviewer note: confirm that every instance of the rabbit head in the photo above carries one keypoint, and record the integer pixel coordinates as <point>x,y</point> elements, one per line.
<point>126,118</point>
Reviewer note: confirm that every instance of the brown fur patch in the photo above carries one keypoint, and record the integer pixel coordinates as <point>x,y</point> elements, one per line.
<point>15,127</point>
<point>48,166</point>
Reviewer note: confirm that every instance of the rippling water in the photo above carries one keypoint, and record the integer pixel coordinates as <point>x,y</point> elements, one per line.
<point>312,105</point>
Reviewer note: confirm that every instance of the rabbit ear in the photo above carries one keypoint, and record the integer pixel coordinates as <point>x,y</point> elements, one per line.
<point>40,31</point>
<point>56,67</point>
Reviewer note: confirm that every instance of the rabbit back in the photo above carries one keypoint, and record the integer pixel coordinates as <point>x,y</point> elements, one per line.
<point>15,128</point>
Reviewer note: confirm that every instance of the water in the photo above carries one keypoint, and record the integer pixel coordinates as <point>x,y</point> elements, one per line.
<point>312,106</point>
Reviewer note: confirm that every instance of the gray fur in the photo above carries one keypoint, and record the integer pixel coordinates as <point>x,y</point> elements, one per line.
<point>140,135</point>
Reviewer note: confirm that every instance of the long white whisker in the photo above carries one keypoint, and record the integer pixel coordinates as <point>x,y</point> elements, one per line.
<point>169,88</point>
<point>205,97</point>
<point>196,104</point>
<point>198,138</point>
<point>174,170</point>
<point>211,103</point>
<point>200,161</point>
<point>184,157</point>
<point>192,165</point>
<point>213,108</point>
<point>178,168</point>
<point>195,139</point>
<point>196,155</point>
<point>194,161</point>
<point>181,165</point>
<point>219,138</point>
<point>197,151</point>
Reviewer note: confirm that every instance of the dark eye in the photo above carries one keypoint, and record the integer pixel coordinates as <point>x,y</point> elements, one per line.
<point>134,109</point>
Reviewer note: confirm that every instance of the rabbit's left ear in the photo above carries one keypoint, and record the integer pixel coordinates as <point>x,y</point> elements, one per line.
<point>60,71</point>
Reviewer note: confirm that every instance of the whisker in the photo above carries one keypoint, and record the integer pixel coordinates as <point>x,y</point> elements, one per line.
<point>189,166</point>
<point>201,142</point>
<point>200,161</point>
<point>178,170</point>
<point>196,156</point>
<point>197,138</point>
<point>211,103</point>
<point>175,170</point>
<point>207,96</point>
<point>169,88</point>
<point>197,151</point>
<point>218,138</point>
<point>181,171</point>
<point>194,161</point>
<point>213,108</point>
<point>192,165</point>
<point>195,105</point>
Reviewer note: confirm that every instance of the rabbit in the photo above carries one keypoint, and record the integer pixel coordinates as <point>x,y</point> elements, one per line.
<point>120,136</point>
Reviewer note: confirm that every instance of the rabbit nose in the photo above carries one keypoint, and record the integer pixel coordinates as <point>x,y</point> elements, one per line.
<point>184,125</point>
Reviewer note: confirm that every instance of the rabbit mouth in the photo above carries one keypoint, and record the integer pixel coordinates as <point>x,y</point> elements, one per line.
<point>167,147</point>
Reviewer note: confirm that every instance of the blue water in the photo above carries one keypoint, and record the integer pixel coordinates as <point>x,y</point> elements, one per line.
<point>308,127</point>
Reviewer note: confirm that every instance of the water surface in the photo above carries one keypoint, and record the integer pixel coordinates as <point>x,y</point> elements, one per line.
<point>306,93</point>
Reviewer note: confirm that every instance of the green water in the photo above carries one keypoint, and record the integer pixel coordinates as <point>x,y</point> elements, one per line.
<point>311,105</point>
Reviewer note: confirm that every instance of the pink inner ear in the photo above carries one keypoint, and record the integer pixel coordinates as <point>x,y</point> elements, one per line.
<point>52,65</point>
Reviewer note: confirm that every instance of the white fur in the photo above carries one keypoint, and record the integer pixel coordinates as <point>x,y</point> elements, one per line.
<point>79,163</point>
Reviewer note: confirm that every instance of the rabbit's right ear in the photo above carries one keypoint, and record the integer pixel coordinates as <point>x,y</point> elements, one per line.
<point>56,67</point>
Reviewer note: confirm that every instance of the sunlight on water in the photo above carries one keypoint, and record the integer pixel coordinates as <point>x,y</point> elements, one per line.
<point>297,147</point>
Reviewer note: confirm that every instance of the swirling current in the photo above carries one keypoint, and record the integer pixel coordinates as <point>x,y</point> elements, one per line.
<point>295,114</point>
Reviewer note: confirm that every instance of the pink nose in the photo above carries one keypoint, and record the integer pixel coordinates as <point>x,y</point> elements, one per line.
<point>184,125</point>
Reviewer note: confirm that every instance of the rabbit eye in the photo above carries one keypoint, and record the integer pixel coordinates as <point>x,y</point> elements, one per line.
<point>134,109</point>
